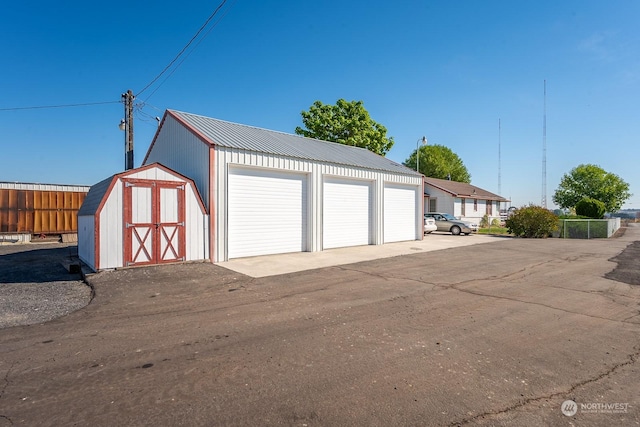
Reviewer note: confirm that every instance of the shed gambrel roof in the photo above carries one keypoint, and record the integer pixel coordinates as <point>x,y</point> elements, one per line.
<point>94,197</point>
<point>232,135</point>
<point>461,189</point>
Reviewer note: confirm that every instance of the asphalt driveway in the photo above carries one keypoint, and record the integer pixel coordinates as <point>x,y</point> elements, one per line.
<point>494,334</point>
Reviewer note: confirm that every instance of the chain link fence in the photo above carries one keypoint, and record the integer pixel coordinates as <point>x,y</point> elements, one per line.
<point>588,228</point>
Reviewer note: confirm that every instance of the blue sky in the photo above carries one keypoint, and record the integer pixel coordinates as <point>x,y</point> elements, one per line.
<point>445,70</point>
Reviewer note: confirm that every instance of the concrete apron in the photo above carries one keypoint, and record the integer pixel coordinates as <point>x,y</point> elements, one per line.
<point>272,265</point>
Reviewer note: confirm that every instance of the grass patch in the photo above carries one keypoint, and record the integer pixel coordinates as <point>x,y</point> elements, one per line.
<point>502,231</point>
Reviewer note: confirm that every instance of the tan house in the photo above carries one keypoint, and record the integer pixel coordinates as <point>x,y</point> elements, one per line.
<point>462,200</point>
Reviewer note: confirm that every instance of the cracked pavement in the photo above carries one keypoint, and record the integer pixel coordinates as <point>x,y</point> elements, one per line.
<point>492,334</point>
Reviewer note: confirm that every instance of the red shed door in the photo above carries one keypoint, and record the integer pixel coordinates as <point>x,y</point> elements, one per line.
<point>154,213</point>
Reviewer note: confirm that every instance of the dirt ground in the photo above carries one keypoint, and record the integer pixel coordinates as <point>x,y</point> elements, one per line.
<point>493,334</point>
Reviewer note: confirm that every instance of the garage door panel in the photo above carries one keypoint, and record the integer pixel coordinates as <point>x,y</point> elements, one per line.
<point>346,213</point>
<point>399,213</point>
<point>267,212</point>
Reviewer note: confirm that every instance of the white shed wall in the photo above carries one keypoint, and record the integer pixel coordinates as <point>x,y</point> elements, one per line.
<point>86,240</point>
<point>196,222</point>
<point>180,150</point>
<point>154,174</point>
<point>197,227</point>
<point>111,247</point>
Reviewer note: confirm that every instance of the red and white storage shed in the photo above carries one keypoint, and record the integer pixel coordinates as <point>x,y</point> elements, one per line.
<point>145,216</point>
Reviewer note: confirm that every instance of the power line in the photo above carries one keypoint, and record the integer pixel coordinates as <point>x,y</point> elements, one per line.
<point>190,52</point>
<point>38,107</point>
<point>215,12</point>
<point>183,49</point>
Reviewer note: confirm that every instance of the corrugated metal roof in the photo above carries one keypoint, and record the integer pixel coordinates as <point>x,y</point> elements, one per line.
<point>462,189</point>
<point>43,187</point>
<point>233,135</point>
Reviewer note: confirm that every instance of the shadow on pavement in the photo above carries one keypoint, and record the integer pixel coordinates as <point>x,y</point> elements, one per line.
<point>26,264</point>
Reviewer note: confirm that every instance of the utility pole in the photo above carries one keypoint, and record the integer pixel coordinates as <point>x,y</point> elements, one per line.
<point>128,98</point>
<point>544,149</point>
<point>424,142</point>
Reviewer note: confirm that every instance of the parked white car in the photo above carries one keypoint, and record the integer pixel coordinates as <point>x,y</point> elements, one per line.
<point>429,225</point>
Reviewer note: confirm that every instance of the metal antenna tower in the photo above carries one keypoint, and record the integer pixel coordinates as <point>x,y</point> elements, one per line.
<point>544,149</point>
<point>499,158</point>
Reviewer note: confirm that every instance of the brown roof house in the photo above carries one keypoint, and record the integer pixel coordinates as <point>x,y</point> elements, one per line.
<point>462,200</point>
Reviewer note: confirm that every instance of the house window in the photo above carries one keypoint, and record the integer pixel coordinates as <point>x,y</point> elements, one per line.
<point>464,202</point>
<point>432,205</point>
<point>489,206</point>
<point>475,205</point>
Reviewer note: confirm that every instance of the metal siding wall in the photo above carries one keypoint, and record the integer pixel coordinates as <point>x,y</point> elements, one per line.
<point>111,232</point>
<point>225,156</point>
<point>180,150</point>
<point>37,211</point>
<point>315,206</point>
<point>86,240</point>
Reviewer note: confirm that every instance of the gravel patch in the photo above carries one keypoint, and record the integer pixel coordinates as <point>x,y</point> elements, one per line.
<point>35,287</point>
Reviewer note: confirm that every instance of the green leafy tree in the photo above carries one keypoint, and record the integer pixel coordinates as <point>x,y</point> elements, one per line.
<point>594,182</point>
<point>438,161</point>
<point>532,221</point>
<point>347,123</point>
<point>590,208</point>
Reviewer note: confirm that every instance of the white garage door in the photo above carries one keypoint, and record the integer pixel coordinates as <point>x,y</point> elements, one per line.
<point>346,213</point>
<point>399,213</point>
<point>267,212</point>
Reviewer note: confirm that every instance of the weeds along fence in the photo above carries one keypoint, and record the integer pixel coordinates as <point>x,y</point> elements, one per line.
<point>588,228</point>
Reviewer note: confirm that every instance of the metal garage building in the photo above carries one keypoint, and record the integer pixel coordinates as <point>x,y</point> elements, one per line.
<point>150,215</point>
<point>269,192</point>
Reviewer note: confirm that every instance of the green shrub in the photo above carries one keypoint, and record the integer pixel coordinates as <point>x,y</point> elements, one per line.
<point>484,222</point>
<point>591,208</point>
<point>532,221</point>
<point>495,222</point>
